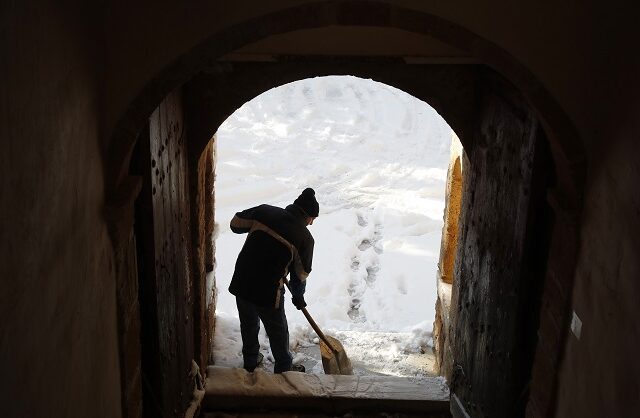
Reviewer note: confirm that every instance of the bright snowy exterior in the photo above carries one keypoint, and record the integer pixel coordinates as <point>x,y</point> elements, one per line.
<point>377,158</point>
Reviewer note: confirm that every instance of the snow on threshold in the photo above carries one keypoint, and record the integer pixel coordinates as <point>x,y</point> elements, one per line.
<point>377,158</point>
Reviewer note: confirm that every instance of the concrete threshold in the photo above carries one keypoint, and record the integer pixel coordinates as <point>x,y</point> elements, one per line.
<point>230,389</point>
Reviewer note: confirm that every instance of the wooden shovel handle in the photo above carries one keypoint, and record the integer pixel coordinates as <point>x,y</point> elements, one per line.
<point>313,324</point>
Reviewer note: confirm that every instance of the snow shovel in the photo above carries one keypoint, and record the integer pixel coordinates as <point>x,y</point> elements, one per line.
<point>334,358</point>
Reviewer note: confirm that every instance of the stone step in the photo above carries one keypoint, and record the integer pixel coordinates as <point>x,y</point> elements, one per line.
<point>235,392</point>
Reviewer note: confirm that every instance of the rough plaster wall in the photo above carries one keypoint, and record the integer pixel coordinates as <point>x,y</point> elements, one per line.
<point>600,375</point>
<point>58,340</point>
<point>600,372</point>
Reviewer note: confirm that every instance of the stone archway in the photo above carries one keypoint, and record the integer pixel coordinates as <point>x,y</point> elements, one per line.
<point>563,136</point>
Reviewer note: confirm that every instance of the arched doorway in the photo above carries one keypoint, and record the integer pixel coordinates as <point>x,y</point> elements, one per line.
<point>377,159</point>
<point>456,91</point>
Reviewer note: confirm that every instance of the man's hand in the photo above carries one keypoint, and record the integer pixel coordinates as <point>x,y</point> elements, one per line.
<point>298,301</point>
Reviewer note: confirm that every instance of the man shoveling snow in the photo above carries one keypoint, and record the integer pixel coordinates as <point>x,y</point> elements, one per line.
<point>278,244</point>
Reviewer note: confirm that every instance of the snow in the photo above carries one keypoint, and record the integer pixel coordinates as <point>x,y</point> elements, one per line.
<point>261,388</point>
<point>377,158</point>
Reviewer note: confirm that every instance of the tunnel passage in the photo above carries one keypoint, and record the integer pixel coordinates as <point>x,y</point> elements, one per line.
<point>77,99</point>
<point>216,85</point>
<point>504,179</point>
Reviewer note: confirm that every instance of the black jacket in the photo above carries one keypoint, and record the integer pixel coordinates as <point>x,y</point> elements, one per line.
<point>279,243</point>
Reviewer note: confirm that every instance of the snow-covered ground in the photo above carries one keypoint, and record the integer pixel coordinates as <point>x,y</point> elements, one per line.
<point>377,158</point>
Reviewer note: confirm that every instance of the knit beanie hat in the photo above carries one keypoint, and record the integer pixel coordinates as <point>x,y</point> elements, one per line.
<point>308,203</point>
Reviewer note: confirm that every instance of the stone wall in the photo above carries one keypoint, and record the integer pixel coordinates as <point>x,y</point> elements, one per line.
<point>210,219</point>
<point>204,213</point>
<point>448,248</point>
<point>453,197</point>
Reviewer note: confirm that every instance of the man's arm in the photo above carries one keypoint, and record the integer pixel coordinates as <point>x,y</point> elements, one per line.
<point>297,288</point>
<point>306,256</point>
<point>243,221</point>
<point>298,284</point>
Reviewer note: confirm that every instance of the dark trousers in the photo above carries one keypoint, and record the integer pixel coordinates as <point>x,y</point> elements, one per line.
<point>275,323</point>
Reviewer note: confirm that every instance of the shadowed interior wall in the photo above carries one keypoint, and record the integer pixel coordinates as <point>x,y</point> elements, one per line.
<point>600,373</point>
<point>58,332</point>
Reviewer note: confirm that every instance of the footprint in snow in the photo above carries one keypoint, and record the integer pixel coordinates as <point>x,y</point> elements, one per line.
<point>355,264</point>
<point>372,273</point>
<point>355,289</point>
<point>354,311</point>
<point>365,244</point>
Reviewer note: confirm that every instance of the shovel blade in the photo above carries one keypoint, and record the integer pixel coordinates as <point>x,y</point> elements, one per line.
<point>335,361</point>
